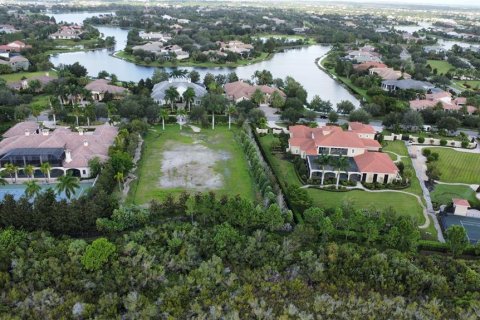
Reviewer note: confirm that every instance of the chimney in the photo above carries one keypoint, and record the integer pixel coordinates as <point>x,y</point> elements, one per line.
<point>85,143</point>
<point>27,132</point>
<point>68,156</point>
<point>80,131</point>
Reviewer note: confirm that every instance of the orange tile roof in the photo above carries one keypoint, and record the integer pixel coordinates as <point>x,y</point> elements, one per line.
<point>361,128</point>
<point>460,202</point>
<point>240,89</point>
<point>377,162</point>
<point>367,65</point>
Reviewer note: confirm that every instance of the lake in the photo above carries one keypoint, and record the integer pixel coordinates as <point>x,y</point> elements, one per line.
<point>298,63</point>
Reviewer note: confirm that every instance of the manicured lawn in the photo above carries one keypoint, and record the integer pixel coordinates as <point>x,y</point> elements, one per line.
<point>283,169</point>
<point>471,84</point>
<point>232,168</point>
<point>399,147</point>
<point>457,166</point>
<point>14,77</point>
<point>441,66</point>
<point>403,204</point>
<point>443,194</point>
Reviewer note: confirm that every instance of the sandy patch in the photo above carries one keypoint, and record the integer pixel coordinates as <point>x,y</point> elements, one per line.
<point>191,166</point>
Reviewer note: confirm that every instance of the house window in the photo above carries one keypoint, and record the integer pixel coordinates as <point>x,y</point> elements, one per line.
<point>84,171</point>
<point>323,150</point>
<point>339,151</point>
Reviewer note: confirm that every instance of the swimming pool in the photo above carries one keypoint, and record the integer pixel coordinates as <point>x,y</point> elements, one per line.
<point>18,190</point>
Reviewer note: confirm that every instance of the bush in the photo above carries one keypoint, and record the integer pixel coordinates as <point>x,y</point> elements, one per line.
<point>443,142</point>
<point>421,140</point>
<point>426,152</point>
<point>464,144</point>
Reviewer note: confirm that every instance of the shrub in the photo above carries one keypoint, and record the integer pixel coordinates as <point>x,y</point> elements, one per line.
<point>435,156</point>
<point>421,140</point>
<point>464,144</point>
<point>426,152</point>
<point>97,254</point>
<point>443,142</point>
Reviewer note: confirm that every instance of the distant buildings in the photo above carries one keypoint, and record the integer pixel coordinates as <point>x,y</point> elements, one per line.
<point>155,36</point>
<point>7,28</point>
<point>392,85</point>
<point>67,33</point>
<point>16,63</point>
<point>159,49</point>
<point>364,55</point>
<point>100,87</point>
<point>159,91</point>
<point>24,84</point>
<point>15,46</point>
<point>236,47</point>
<point>239,91</point>
<point>444,99</point>
<point>389,73</point>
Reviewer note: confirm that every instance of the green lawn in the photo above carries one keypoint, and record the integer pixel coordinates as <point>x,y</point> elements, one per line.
<point>441,66</point>
<point>190,63</point>
<point>464,85</point>
<point>233,168</point>
<point>457,166</point>
<point>399,147</point>
<point>14,77</point>
<point>443,194</point>
<point>402,203</point>
<point>283,169</point>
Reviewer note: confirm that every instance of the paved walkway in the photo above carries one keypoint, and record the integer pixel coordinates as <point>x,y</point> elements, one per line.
<point>419,164</point>
<point>399,157</point>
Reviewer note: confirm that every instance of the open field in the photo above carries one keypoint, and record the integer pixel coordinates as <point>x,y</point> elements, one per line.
<point>403,204</point>
<point>14,77</point>
<point>470,84</point>
<point>457,166</point>
<point>174,161</point>
<point>443,194</point>
<point>441,66</point>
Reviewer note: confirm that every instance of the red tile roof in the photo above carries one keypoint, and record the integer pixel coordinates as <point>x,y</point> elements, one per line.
<point>239,89</point>
<point>102,85</point>
<point>377,162</point>
<point>361,128</point>
<point>367,65</point>
<point>461,202</point>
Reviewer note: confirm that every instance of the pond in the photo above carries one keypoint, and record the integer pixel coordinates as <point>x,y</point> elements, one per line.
<point>298,63</point>
<point>18,190</point>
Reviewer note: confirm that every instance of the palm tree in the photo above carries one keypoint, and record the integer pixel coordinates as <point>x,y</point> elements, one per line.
<point>111,109</point>
<point>181,113</point>
<point>171,95</point>
<point>164,115</point>
<point>46,167</point>
<point>89,112</point>
<point>324,160</point>
<point>407,174</point>
<point>340,164</point>
<point>77,112</point>
<point>3,181</point>
<point>32,188</point>
<point>29,170</point>
<point>188,97</point>
<point>11,170</point>
<point>119,177</point>
<point>178,73</point>
<point>230,110</point>
<point>68,184</point>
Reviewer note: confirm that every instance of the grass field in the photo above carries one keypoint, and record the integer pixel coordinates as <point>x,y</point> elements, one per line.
<point>232,169</point>
<point>443,194</point>
<point>399,147</point>
<point>457,166</point>
<point>441,66</point>
<point>14,77</point>
<point>470,84</point>
<point>403,204</point>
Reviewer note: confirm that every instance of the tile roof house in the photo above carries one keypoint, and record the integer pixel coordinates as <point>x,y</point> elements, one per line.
<point>445,99</point>
<point>23,84</point>
<point>367,65</point>
<point>15,46</point>
<point>366,162</point>
<point>67,32</point>
<point>460,206</point>
<point>239,90</point>
<point>235,46</point>
<point>100,87</point>
<point>406,84</point>
<point>16,63</point>
<point>66,151</point>
<point>389,73</point>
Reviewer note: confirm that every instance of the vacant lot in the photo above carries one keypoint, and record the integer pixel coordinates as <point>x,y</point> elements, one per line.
<point>457,166</point>
<point>174,161</point>
<point>441,66</point>
<point>14,77</point>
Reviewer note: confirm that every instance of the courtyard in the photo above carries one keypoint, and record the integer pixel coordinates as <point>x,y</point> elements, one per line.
<point>175,161</point>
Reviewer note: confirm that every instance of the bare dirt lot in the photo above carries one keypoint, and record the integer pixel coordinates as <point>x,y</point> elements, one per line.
<point>191,166</point>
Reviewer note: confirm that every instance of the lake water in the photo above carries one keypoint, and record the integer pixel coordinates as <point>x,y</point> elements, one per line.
<point>298,63</point>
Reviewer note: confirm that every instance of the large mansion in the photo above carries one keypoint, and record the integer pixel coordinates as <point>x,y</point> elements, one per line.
<point>358,144</point>
<point>66,151</point>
